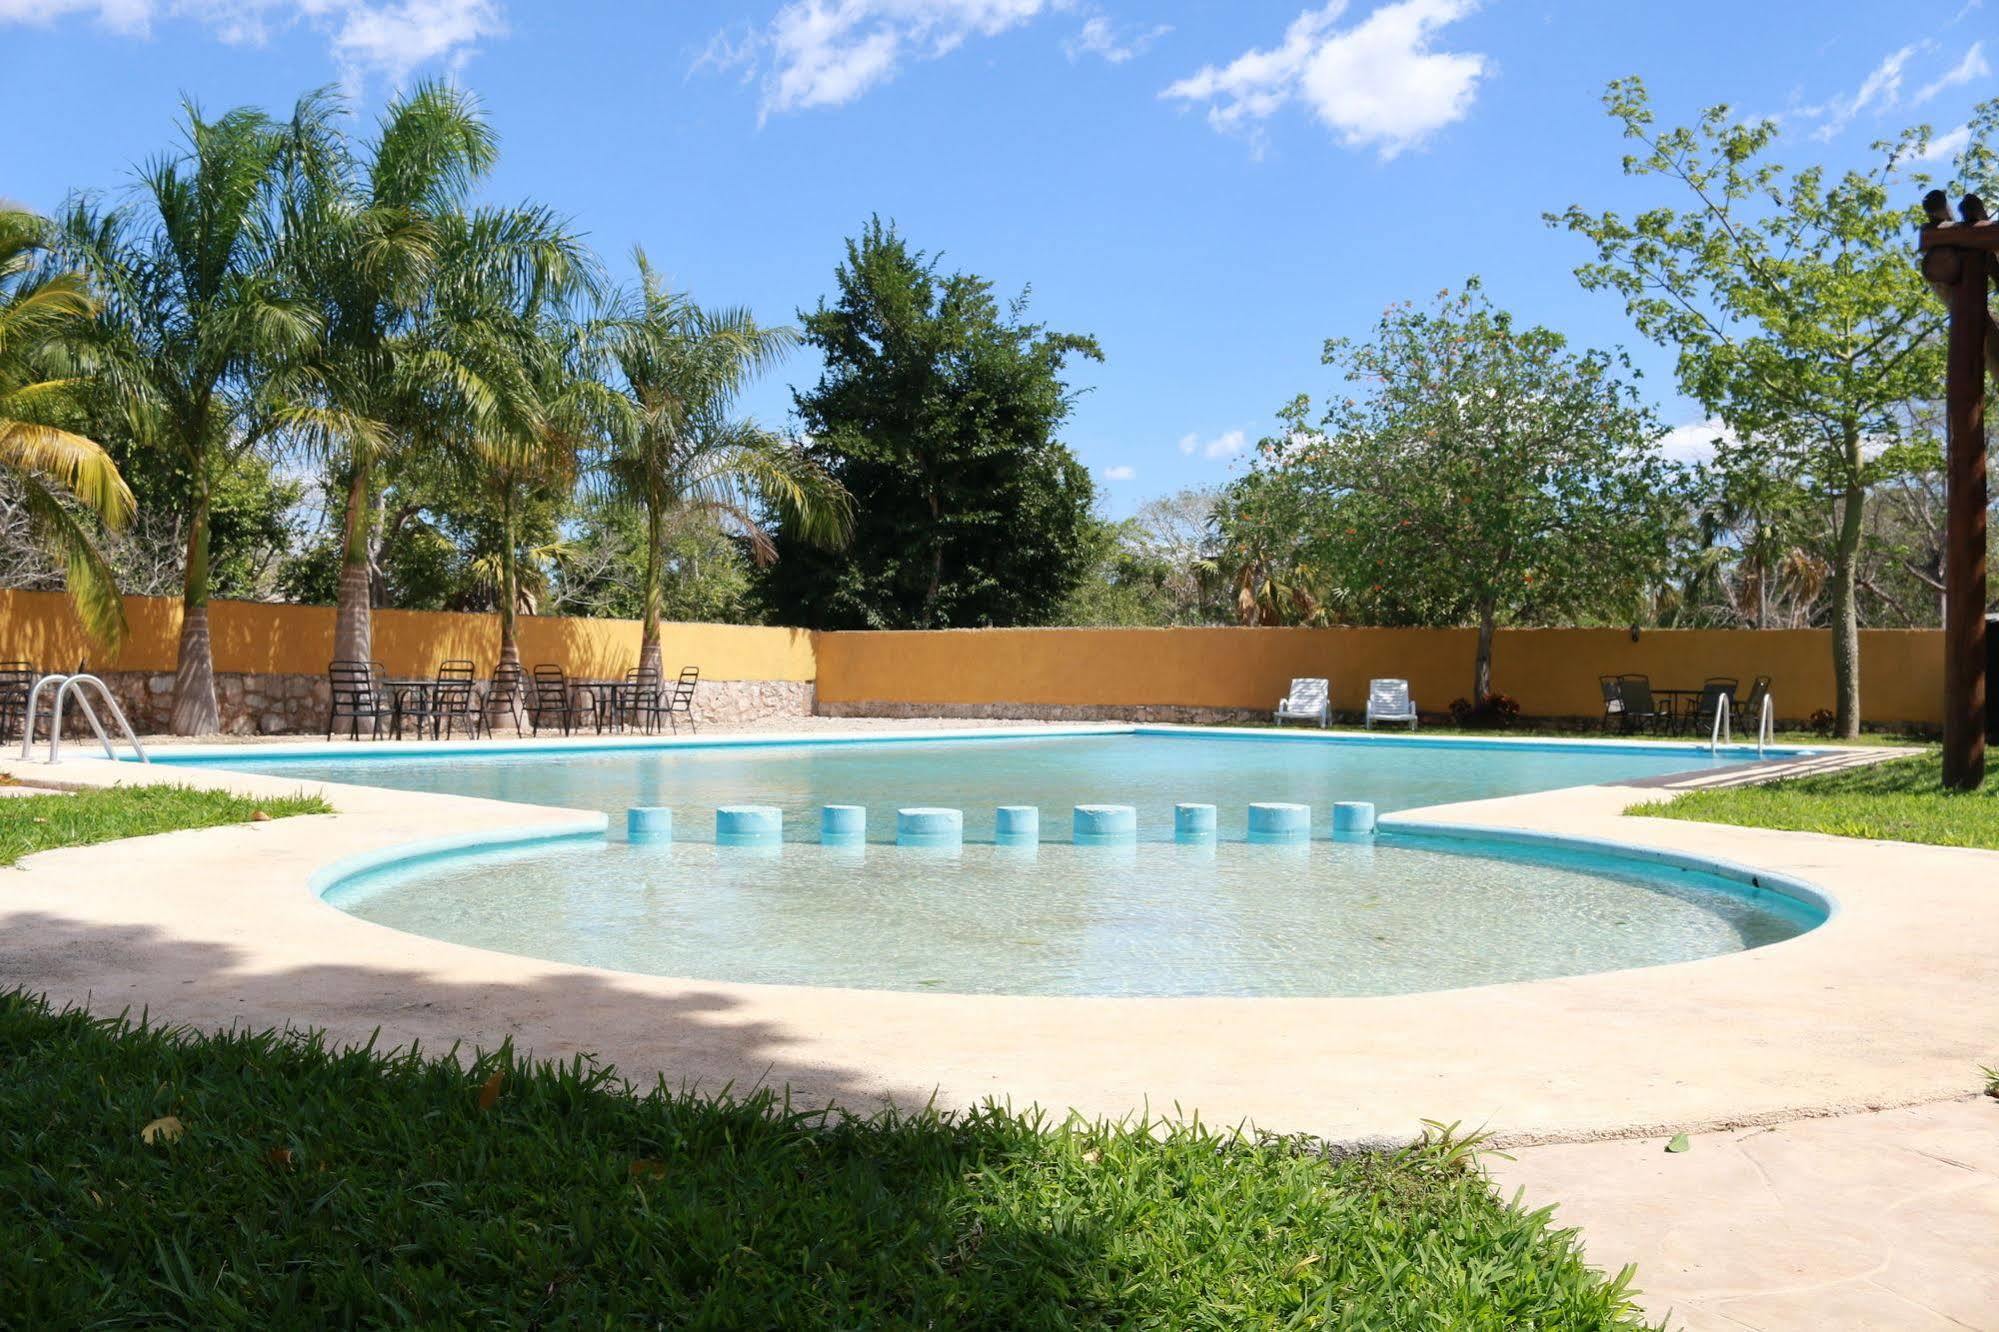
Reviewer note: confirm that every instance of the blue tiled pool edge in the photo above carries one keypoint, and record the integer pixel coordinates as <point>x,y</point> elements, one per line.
<point>320,750</point>
<point>579,826</point>
<point>1754,883</point>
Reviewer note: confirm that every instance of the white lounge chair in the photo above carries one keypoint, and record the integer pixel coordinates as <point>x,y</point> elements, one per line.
<point>1388,700</point>
<point>1309,700</point>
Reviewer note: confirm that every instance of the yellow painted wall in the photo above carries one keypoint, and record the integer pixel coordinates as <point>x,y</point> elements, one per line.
<point>260,638</point>
<point>1553,672</point>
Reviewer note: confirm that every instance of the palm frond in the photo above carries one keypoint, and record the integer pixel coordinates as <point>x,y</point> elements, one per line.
<point>93,588</point>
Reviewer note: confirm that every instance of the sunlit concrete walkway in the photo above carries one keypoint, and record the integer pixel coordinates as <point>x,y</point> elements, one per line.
<point>1879,1221</point>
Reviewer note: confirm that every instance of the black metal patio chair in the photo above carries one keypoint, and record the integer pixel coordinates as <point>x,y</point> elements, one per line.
<point>355,690</point>
<point>451,701</point>
<point>638,698</point>
<point>1749,712</point>
<point>1613,701</point>
<point>507,691</point>
<point>1717,692</point>
<point>550,698</point>
<point>676,701</point>
<point>17,681</point>
<point>1640,708</point>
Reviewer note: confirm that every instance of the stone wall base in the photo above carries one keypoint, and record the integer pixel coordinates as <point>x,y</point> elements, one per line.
<point>1060,712</point>
<point>297,704</point>
<point>1174,714</point>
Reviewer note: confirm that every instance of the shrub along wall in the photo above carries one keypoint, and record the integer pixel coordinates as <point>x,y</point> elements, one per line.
<point>271,664</point>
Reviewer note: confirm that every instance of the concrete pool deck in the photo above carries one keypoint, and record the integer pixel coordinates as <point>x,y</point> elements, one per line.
<point>1882,1219</point>
<point>1888,1004</point>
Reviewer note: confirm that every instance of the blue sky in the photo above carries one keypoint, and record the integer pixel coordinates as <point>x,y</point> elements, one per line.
<point>1210,188</point>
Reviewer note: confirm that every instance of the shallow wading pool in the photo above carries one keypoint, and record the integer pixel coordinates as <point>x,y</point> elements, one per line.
<point>1406,911</point>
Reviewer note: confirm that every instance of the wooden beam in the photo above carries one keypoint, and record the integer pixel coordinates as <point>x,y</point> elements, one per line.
<point>1962,236</point>
<point>1966,499</point>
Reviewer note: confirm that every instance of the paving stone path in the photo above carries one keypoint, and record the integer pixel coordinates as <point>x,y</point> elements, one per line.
<point>1883,1221</point>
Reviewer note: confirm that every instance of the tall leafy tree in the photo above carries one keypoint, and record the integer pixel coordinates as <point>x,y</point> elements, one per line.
<point>938,411</point>
<point>198,339</point>
<point>55,469</point>
<point>1480,474</point>
<point>678,451</point>
<point>1799,319</point>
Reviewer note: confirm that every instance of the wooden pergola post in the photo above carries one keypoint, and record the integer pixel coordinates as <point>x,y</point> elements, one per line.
<point>1958,261</point>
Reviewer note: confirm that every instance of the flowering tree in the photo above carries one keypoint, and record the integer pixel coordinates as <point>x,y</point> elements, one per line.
<point>1479,474</point>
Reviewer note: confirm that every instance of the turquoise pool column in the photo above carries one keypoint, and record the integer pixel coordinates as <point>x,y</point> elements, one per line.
<point>1105,825</point>
<point>1193,823</point>
<point>843,825</point>
<point>1353,819</point>
<point>937,829</point>
<point>749,825</point>
<point>1017,825</point>
<point>1280,824</point>
<point>649,824</point>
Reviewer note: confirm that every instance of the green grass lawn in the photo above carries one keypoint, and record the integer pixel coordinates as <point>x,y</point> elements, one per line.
<point>256,1181</point>
<point>41,823</point>
<point>1902,800</point>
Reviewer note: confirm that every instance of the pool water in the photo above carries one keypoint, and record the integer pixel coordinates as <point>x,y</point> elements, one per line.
<point>1150,771</point>
<point>1154,919</point>
<point>1390,915</point>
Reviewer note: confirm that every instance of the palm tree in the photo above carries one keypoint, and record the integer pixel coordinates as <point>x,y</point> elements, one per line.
<point>198,344</point>
<point>40,308</point>
<point>369,252</point>
<point>676,450</point>
<point>389,242</point>
<point>527,406</point>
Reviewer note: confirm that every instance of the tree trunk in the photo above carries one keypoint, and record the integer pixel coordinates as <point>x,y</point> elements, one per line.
<point>510,647</point>
<point>1481,688</point>
<point>1846,603</point>
<point>649,650</point>
<point>929,616</point>
<point>353,627</point>
<point>1762,595</point>
<point>194,708</point>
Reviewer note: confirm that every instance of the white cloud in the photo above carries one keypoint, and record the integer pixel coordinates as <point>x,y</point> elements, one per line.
<point>397,37</point>
<point>1881,89</point>
<point>1695,443</point>
<point>1099,37</point>
<point>130,17</point>
<point>1225,445</point>
<point>1946,147</point>
<point>1375,84</point>
<point>1973,66</point>
<point>828,52</point>
<point>1120,473</point>
<point>367,37</point>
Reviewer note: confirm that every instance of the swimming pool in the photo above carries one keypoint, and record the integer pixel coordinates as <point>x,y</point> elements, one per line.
<point>1397,913</point>
<point>1151,769</point>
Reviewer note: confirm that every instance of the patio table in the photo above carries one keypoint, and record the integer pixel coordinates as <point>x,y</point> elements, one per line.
<point>401,694</point>
<point>1681,705</point>
<point>604,701</point>
<point>423,693</point>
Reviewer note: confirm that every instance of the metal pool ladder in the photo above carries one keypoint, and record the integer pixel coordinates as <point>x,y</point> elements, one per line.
<point>81,685</point>
<point>1766,727</point>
